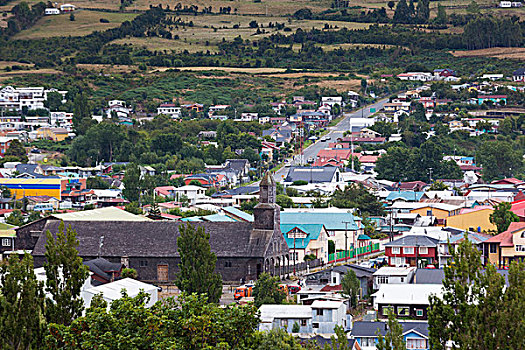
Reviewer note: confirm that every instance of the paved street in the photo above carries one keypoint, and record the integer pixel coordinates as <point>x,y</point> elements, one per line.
<point>334,133</point>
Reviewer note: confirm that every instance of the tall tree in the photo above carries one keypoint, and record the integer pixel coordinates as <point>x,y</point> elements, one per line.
<point>393,339</point>
<point>65,275</point>
<point>499,159</point>
<point>21,305</point>
<point>441,17</point>
<point>197,263</point>
<point>502,216</point>
<point>132,183</point>
<point>53,101</point>
<point>351,286</point>
<point>82,119</point>
<point>473,296</point>
<point>266,290</point>
<point>16,149</point>
<point>402,13</point>
<point>357,196</point>
<point>423,11</point>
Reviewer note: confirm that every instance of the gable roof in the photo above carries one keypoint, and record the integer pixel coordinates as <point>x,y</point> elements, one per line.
<point>412,241</point>
<point>311,174</point>
<point>311,230</point>
<point>369,328</point>
<point>158,238</point>
<point>505,238</point>
<point>331,220</point>
<point>405,195</point>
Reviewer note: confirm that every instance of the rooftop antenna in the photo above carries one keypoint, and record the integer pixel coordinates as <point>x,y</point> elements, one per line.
<point>100,244</point>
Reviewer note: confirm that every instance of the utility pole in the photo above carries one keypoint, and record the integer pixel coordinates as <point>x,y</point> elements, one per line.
<point>430,173</point>
<point>346,239</point>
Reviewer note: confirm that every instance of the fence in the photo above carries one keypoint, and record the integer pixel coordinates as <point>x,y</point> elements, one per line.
<point>353,252</point>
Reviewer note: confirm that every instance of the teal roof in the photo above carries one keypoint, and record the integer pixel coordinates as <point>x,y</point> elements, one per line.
<point>312,230</point>
<point>363,236</point>
<point>192,219</point>
<point>238,213</point>
<point>406,195</point>
<point>331,221</point>
<point>217,218</point>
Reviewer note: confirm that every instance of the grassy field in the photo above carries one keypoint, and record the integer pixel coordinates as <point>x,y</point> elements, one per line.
<point>497,52</point>
<point>209,30</point>
<point>85,23</point>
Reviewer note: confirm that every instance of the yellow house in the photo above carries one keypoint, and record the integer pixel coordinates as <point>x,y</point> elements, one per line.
<point>54,134</point>
<point>506,247</point>
<point>441,211</point>
<point>471,219</point>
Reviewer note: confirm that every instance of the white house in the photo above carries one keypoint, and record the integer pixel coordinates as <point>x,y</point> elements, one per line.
<point>332,101</point>
<point>67,8</point>
<point>505,4</point>
<point>29,97</point>
<point>393,275</point>
<point>248,117</point>
<point>170,109</point>
<point>419,76</point>
<point>51,11</point>
<point>193,193</point>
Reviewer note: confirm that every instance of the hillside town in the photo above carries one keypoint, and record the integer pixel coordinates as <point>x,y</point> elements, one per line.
<point>319,198</point>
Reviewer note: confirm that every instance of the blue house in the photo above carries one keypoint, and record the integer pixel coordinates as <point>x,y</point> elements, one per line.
<point>414,333</point>
<point>306,239</point>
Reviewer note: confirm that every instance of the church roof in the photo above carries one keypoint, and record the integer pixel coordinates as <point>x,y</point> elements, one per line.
<point>158,238</point>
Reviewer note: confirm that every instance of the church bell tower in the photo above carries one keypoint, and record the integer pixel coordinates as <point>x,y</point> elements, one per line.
<point>267,212</point>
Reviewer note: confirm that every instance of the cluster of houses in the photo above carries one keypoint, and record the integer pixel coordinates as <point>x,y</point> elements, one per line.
<point>64,8</point>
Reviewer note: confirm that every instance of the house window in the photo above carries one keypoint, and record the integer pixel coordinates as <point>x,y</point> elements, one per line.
<point>493,248</point>
<point>520,248</point>
<point>284,323</point>
<point>397,261</point>
<point>368,342</point>
<point>402,279</point>
<point>403,311</point>
<point>303,323</point>
<point>419,312</point>
<point>143,263</point>
<point>6,242</point>
<point>387,310</point>
<point>396,250</point>
<point>423,250</point>
<point>315,325</point>
<point>408,250</point>
<point>429,212</point>
<point>319,312</point>
<point>227,264</point>
<point>416,343</point>
<point>382,279</point>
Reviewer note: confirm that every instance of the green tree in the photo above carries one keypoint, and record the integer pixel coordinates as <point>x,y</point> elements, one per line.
<point>284,201</point>
<point>391,5</point>
<point>331,247</point>
<point>16,149</point>
<point>393,339</point>
<point>357,196</point>
<point>423,11</point>
<point>472,296</point>
<point>21,305</point>
<point>53,101</point>
<point>441,17</point>
<point>438,186</point>
<point>82,114</point>
<point>132,183</point>
<point>502,216</point>
<point>16,218</point>
<point>473,7</point>
<point>65,275</point>
<point>351,287</point>
<point>197,263</point>
<point>266,290</point>
<point>129,273</point>
<point>499,159</point>
<point>402,13</point>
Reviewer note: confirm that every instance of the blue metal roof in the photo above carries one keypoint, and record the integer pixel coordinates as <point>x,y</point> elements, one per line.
<point>406,195</point>
<point>217,218</point>
<point>332,221</point>
<point>239,213</point>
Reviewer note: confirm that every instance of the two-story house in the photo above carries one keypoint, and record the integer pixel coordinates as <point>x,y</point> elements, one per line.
<point>414,250</point>
<point>506,247</point>
<point>393,275</point>
<point>415,334</point>
<point>306,239</point>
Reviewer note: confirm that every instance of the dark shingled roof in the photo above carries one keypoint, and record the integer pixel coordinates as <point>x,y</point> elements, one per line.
<point>102,267</point>
<point>360,271</point>
<point>368,329</point>
<point>158,238</point>
<point>414,240</point>
<point>312,174</point>
<point>429,276</point>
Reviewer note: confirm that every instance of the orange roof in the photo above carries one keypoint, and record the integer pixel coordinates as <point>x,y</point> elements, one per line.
<point>505,238</point>
<point>368,159</point>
